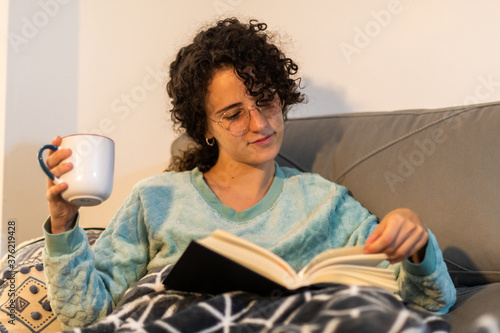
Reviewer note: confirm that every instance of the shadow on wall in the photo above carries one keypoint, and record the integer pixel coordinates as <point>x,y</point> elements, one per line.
<point>320,101</point>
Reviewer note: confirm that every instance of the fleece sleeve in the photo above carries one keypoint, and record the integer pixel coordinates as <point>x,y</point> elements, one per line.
<point>82,289</point>
<point>427,285</point>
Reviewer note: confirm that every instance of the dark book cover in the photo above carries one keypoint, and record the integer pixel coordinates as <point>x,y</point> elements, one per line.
<point>203,270</point>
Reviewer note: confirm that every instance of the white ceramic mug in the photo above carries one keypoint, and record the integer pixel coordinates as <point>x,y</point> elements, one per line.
<point>90,182</point>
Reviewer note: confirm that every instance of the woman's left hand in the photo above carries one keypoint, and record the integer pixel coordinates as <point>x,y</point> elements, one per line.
<point>400,235</point>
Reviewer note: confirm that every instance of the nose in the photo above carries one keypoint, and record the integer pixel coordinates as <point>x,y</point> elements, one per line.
<point>257,120</point>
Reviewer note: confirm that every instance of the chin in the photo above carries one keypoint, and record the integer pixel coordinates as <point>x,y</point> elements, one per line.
<point>269,157</point>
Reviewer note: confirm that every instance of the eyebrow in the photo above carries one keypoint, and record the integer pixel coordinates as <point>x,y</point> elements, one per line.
<point>229,107</point>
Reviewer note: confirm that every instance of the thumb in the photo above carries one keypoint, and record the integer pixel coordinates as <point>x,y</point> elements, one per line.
<point>374,235</point>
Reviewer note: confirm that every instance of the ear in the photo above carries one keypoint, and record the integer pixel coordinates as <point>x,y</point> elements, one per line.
<point>208,133</point>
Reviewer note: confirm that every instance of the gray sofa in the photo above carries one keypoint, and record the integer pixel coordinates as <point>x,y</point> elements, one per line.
<point>442,163</point>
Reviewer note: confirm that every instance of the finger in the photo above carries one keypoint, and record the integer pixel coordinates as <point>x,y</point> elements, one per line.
<point>375,234</point>
<point>402,252</point>
<point>415,239</point>
<point>407,249</point>
<point>419,256</point>
<point>53,193</point>
<point>56,157</point>
<point>420,240</point>
<point>403,246</point>
<point>56,142</point>
<point>394,233</point>
<point>385,239</point>
<point>408,233</point>
<point>385,242</point>
<point>59,171</point>
<point>62,169</point>
<point>399,239</point>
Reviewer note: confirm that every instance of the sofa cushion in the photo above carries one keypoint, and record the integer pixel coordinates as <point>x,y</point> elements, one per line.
<point>442,163</point>
<point>473,304</point>
<point>24,304</point>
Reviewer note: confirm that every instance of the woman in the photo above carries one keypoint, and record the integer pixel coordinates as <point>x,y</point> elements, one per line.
<point>231,89</point>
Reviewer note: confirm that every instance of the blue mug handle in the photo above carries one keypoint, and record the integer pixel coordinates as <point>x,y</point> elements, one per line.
<point>44,166</point>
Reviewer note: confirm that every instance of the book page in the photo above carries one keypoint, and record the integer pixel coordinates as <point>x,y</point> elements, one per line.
<point>353,275</point>
<point>352,255</point>
<point>252,256</point>
<point>369,272</point>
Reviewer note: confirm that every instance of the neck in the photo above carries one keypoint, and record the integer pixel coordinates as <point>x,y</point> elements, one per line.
<point>240,186</point>
<point>233,174</point>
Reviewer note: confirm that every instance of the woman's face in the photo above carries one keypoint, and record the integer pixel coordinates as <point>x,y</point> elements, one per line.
<point>260,142</point>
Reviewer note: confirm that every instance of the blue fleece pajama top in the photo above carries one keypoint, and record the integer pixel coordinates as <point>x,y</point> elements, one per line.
<point>301,215</point>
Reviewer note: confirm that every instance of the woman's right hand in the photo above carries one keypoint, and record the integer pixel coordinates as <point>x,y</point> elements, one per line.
<point>62,213</point>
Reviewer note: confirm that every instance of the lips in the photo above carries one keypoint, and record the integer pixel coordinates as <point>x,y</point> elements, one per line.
<point>262,141</point>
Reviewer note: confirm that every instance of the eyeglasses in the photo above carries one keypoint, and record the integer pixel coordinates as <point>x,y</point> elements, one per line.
<point>237,119</point>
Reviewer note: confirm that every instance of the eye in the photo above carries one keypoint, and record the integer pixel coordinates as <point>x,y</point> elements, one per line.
<point>233,114</point>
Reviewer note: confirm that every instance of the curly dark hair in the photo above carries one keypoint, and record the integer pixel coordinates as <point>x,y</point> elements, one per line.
<point>228,44</point>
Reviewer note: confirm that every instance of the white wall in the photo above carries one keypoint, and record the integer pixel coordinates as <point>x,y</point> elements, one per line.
<point>4,19</point>
<point>388,55</point>
<point>372,55</point>
<point>41,85</point>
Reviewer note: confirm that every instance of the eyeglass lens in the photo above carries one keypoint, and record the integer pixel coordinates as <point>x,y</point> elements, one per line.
<point>237,119</point>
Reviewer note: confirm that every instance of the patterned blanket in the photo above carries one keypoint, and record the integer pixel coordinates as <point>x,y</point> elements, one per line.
<point>148,307</point>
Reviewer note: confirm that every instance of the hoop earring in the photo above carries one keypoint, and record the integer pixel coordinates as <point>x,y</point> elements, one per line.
<point>210,143</point>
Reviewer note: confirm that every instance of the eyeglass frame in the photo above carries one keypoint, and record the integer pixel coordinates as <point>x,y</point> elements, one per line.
<point>247,109</point>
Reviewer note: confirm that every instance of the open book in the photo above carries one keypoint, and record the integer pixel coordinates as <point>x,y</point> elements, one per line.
<point>224,262</point>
